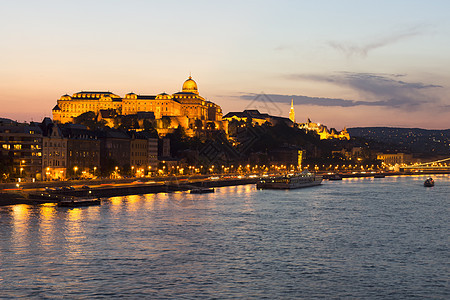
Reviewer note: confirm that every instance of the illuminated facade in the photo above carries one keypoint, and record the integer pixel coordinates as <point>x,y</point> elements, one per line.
<point>292,112</point>
<point>394,158</point>
<point>183,108</point>
<point>54,151</point>
<point>255,117</point>
<point>22,144</point>
<point>323,131</point>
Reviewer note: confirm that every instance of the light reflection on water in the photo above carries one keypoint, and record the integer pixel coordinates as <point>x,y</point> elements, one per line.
<point>355,238</point>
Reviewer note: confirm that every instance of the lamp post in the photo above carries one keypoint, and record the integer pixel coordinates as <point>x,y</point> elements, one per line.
<point>22,162</point>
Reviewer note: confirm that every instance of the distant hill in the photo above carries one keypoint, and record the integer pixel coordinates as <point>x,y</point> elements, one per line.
<point>5,120</point>
<point>414,140</point>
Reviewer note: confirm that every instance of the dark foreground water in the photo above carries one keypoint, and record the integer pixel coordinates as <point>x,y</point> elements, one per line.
<point>357,238</point>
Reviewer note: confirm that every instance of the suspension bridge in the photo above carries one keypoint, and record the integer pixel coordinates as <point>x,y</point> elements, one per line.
<point>437,165</point>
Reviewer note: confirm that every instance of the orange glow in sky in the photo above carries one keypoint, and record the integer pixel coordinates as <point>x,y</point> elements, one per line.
<point>345,64</point>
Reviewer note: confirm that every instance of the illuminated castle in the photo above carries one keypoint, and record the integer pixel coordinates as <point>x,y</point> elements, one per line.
<point>322,130</point>
<point>183,108</point>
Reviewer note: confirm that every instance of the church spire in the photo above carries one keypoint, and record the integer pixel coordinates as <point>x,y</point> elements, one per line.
<point>292,112</point>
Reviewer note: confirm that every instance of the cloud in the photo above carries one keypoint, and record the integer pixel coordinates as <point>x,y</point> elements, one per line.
<point>318,101</point>
<point>377,89</point>
<point>351,49</point>
<point>382,90</point>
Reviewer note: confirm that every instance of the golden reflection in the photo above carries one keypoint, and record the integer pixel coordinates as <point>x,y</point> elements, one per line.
<point>116,203</point>
<point>150,201</point>
<point>132,203</point>
<point>74,234</point>
<point>21,214</point>
<point>74,214</point>
<point>48,211</point>
<point>248,188</point>
<point>240,189</point>
<point>46,226</point>
<point>93,212</point>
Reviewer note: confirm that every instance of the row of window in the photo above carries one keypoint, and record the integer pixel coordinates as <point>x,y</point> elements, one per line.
<point>138,145</point>
<point>54,153</point>
<point>20,147</point>
<point>50,144</point>
<point>82,154</point>
<point>138,153</point>
<point>19,139</point>
<point>55,163</point>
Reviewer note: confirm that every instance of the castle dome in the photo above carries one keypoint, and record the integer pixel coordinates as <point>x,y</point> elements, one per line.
<point>190,86</point>
<point>131,96</point>
<point>65,97</point>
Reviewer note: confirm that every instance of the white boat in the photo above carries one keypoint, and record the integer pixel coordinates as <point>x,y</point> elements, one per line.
<point>294,181</point>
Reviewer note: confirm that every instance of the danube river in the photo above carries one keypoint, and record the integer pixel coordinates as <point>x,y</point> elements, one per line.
<point>355,238</point>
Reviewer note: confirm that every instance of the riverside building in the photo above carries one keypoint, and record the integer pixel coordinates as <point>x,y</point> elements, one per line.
<point>21,149</point>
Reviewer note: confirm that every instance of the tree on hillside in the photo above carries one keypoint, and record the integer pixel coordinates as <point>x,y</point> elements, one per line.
<point>149,126</point>
<point>198,124</point>
<point>166,121</point>
<point>89,119</point>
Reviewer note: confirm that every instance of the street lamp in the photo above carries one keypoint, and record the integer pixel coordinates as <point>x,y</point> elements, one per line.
<point>22,162</point>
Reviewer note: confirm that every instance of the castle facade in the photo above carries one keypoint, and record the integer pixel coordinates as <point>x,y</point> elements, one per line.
<point>185,107</point>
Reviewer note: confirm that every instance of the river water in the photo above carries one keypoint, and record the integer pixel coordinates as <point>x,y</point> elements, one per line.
<point>356,238</point>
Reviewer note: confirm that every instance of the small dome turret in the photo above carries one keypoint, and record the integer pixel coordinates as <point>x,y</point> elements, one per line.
<point>65,97</point>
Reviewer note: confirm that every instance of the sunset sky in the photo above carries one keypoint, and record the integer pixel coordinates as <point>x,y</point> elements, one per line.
<point>345,63</point>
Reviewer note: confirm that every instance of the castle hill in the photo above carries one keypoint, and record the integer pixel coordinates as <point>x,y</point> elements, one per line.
<point>95,137</point>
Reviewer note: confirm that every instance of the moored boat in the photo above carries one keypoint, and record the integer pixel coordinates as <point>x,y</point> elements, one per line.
<point>79,202</point>
<point>294,181</point>
<point>429,182</point>
<point>202,190</point>
<point>335,177</point>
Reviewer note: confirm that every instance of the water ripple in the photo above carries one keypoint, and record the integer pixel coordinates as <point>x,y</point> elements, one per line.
<point>365,238</point>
